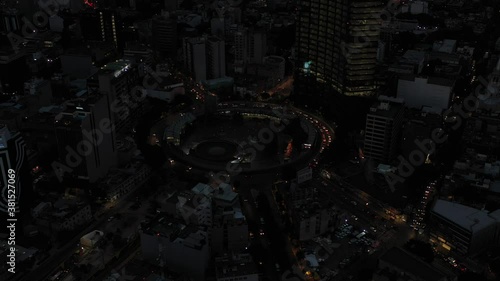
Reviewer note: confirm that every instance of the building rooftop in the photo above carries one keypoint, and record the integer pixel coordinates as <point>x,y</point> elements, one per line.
<point>162,226</point>
<point>177,232</point>
<point>466,217</point>
<point>94,236</point>
<point>116,68</point>
<point>413,56</point>
<point>237,265</point>
<point>228,216</point>
<point>406,262</point>
<point>386,107</point>
<point>225,193</point>
<point>202,188</point>
<point>445,46</point>
<point>430,80</point>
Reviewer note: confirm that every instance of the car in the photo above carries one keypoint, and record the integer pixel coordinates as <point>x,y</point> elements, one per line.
<point>462,267</point>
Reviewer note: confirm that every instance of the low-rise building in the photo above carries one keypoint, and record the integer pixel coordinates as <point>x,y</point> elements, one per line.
<point>311,218</point>
<point>119,182</point>
<point>461,229</point>
<point>383,129</point>
<point>91,239</point>
<point>418,92</point>
<point>168,242</point>
<point>64,215</point>
<point>236,267</point>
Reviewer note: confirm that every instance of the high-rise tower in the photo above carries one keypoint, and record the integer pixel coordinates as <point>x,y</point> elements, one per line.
<point>383,129</point>
<point>165,35</point>
<point>336,46</point>
<point>100,25</point>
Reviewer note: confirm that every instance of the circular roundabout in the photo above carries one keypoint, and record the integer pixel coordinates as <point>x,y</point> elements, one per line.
<point>245,136</point>
<point>217,150</point>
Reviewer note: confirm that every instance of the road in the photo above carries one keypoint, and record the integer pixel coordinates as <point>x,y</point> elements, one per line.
<point>389,233</point>
<point>56,259</point>
<point>376,207</point>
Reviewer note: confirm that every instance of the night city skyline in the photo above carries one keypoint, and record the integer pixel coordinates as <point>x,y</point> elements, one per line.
<point>259,140</point>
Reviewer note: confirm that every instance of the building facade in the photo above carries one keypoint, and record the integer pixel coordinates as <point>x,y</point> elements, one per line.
<point>462,229</point>
<point>235,267</point>
<point>229,231</point>
<point>336,45</point>
<point>165,35</point>
<point>426,92</point>
<point>195,58</point>
<point>100,25</point>
<point>383,129</point>
<point>182,248</point>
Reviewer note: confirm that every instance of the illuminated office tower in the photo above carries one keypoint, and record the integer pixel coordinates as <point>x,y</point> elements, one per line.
<point>99,25</point>
<point>336,46</point>
<point>383,129</point>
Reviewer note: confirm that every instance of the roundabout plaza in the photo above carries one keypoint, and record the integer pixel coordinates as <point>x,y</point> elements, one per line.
<point>247,137</point>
